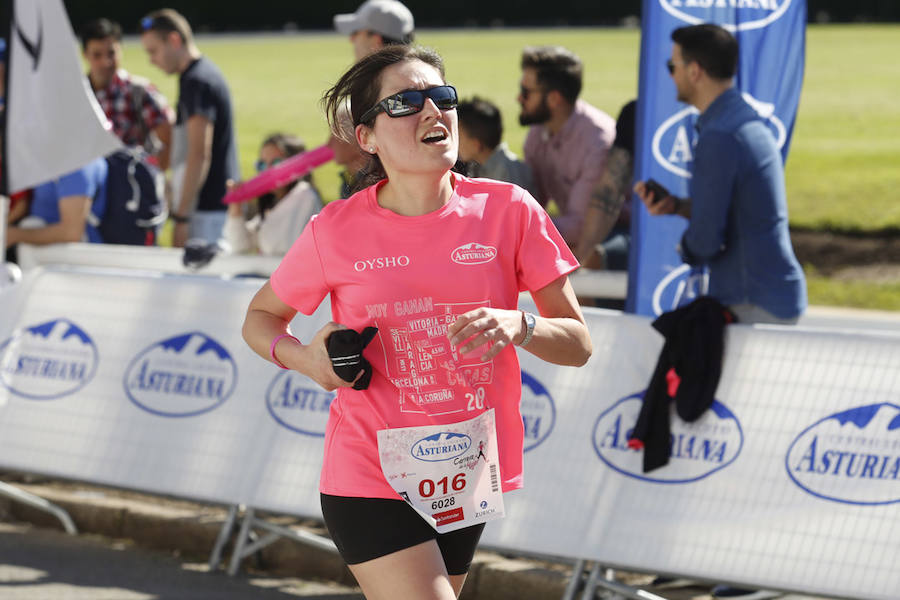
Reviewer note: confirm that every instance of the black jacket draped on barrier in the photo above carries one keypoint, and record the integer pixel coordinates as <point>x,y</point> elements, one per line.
<point>687,371</point>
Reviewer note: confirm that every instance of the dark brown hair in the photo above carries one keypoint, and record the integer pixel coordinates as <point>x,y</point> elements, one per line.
<point>361,85</point>
<point>711,47</point>
<point>556,69</point>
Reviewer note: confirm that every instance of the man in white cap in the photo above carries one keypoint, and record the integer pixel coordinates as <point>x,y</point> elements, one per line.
<point>376,24</point>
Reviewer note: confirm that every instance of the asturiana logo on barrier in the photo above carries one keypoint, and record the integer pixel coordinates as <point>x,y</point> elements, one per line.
<point>746,14</point>
<point>674,140</point>
<point>445,445</point>
<point>181,376</point>
<point>48,360</point>
<point>299,404</point>
<point>698,449</point>
<point>538,411</point>
<point>851,456</point>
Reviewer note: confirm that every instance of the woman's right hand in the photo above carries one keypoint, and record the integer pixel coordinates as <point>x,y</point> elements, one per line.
<point>314,361</point>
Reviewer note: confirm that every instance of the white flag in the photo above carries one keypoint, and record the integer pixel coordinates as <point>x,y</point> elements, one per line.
<point>54,124</point>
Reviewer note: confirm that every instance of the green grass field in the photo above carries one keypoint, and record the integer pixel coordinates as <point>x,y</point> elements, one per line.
<point>843,171</point>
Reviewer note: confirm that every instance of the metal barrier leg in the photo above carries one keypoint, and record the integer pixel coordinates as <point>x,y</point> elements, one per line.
<point>574,580</point>
<point>242,549</point>
<point>39,503</point>
<point>237,554</point>
<point>590,586</point>
<point>216,556</point>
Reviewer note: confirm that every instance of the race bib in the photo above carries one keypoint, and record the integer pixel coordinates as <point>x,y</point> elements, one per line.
<point>450,474</point>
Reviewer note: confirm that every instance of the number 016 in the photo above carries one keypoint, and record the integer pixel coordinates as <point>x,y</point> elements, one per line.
<point>428,487</point>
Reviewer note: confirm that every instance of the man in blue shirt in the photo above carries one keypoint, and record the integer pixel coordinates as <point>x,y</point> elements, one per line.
<point>60,208</point>
<point>737,207</point>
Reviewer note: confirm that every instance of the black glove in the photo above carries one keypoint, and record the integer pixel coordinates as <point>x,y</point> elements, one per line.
<point>345,348</point>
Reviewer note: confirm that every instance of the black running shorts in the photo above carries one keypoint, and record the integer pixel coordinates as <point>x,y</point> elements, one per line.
<point>366,528</point>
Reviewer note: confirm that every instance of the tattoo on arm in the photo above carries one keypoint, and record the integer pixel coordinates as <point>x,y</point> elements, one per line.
<point>610,194</point>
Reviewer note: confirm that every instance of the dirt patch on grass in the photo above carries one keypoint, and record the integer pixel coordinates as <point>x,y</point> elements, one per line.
<point>850,256</point>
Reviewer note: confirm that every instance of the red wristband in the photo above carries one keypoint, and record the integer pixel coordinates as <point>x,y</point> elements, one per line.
<point>272,348</point>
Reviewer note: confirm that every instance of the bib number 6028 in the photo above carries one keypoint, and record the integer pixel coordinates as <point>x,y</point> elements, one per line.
<point>427,487</point>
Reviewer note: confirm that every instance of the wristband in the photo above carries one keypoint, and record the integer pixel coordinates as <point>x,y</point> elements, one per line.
<point>277,339</point>
<point>180,219</point>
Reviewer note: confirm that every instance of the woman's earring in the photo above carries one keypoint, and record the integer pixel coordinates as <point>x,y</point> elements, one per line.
<point>372,149</point>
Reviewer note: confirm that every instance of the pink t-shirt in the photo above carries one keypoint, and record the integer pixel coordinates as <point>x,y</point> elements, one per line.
<point>410,277</point>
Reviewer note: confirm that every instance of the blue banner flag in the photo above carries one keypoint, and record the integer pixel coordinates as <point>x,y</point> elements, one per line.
<point>771,35</point>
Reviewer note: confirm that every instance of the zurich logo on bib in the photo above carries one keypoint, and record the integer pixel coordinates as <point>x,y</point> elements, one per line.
<point>299,404</point>
<point>181,376</point>
<point>751,14</point>
<point>698,449</point>
<point>48,360</point>
<point>851,457</point>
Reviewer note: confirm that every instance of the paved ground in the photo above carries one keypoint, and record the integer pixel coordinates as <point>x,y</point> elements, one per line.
<point>42,564</point>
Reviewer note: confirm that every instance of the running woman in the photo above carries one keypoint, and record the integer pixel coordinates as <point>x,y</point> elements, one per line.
<point>436,262</point>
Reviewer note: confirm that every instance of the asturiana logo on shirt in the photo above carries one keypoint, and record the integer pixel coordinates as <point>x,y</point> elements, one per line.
<point>48,361</point>
<point>381,262</point>
<point>473,253</point>
<point>697,449</point>
<point>851,457</point>
<point>747,14</point>
<point>445,445</point>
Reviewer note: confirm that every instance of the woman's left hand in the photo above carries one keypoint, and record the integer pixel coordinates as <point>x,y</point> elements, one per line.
<point>494,328</point>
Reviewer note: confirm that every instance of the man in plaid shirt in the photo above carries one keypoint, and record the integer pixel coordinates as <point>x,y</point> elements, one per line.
<point>139,114</point>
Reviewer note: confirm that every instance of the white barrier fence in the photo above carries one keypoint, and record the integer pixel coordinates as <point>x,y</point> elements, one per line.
<point>792,481</point>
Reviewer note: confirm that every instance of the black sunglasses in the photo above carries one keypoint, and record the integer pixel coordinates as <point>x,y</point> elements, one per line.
<point>409,102</point>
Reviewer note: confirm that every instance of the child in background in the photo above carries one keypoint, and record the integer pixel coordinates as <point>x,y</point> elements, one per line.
<point>480,134</point>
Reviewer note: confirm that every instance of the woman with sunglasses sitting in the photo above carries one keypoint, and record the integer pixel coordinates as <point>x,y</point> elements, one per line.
<point>419,450</point>
<point>281,214</point>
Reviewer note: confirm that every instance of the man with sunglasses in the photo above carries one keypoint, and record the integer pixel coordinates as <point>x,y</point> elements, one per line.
<point>204,148</point>
<point>737,209</point>
<point>569,140</point>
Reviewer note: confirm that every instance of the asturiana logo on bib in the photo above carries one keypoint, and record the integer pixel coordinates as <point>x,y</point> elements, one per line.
<point>698,449</point>
<point>851,456</point>
<point>48,361</point>
<point>181,376</point>
<point>538,411</point>
<point>674,140</point>
<point>750,14</point>
<point>473,253</point>
<point>297,403</point>
<point>445,445</point>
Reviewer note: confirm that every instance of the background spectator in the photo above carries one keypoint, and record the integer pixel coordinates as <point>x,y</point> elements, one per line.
<point>282,214</point>
<point>480,142</point>
<point>737,210</point>
<point>204,148</point>
<point>376,24</point>
<point>139,113</point>
<point>60,208</point>
<point>605,238</point>
<point>567,144</point>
